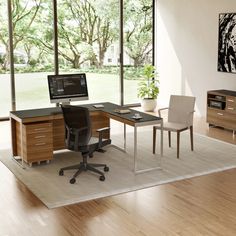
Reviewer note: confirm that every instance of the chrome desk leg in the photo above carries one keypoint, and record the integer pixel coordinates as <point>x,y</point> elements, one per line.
<point>125,137</point>
<point>135,153</point>
<point>135,149</point>
<point>124,147</point>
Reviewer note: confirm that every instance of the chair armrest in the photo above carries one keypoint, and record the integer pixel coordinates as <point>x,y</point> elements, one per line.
<point>162,109</point>
<point>100,132</point>
<point>103,129</point>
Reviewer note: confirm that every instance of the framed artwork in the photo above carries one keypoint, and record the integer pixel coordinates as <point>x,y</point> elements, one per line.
<point>227,43</point>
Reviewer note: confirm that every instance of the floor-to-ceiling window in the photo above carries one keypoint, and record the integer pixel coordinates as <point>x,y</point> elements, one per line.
<point>32,22</point>
<point>90,38</point>
<point>88,41</point>
<point>5,88</point>
<point>138,44</point>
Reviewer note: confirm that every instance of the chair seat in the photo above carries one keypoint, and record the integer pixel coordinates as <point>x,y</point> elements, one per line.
<point>171,126</point>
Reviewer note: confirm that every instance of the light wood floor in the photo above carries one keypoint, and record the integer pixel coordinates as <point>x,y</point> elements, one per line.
<point>203,205</point>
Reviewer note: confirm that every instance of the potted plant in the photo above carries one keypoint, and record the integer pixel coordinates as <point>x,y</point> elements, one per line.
<point>148,89</point>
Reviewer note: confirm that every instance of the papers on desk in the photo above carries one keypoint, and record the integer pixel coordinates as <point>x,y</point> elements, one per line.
<point>122,111</point>
<point>98,106</point>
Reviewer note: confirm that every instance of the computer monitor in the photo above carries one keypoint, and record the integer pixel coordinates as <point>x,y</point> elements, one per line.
<point>67,87</point>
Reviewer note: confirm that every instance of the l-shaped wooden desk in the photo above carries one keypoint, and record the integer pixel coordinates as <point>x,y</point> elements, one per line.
<point>37,133</point>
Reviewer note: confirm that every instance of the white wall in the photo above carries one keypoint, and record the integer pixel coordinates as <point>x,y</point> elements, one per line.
<point>187,45</point>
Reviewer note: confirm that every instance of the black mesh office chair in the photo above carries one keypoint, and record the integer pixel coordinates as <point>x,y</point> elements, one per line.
<point>78,138</point>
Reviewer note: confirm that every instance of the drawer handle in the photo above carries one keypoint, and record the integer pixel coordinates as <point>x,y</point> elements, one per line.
<point>40,136</point>
<point>40,144</point>
<point>230,108</point>
<point>38,129</point>
<point>220,114</point>
<point>230,100</point>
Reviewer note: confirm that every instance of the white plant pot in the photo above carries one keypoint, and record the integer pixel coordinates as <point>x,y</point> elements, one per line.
<point>148,104</point>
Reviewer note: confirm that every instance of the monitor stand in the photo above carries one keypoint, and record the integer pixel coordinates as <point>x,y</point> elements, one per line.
<point>63,104</point>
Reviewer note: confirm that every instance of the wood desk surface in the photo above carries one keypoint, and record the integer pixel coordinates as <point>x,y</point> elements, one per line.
<point>51,113</point>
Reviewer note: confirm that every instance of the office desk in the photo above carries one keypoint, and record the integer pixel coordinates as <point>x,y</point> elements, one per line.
<point>37,133</point>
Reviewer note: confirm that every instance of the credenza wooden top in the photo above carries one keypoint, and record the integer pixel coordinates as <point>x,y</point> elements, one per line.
<point>224,92</point>
<point>52,113</point>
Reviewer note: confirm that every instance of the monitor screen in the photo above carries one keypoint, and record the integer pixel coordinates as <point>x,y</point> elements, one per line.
<point>67,87</point>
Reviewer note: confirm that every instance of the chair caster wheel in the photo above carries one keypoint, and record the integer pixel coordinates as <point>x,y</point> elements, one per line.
<point>61,172</point>
<point>106,168</point>
<point>72,181</point>
<point>102,178</point>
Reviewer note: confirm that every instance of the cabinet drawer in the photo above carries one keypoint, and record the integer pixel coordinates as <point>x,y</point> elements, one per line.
<point>230,99</point>
<point>36,138</point>
<point>221,118</point>
<point>230,104</point>
<point>40,156</point>
<point>38,128</point>
<point>230,108</point>
<point>215,116</point>
<point>38,152</point>
<point>37,147</point>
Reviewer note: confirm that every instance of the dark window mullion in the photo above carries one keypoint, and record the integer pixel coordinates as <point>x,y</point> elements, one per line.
<point>121,52</point>
<point>11,57</point>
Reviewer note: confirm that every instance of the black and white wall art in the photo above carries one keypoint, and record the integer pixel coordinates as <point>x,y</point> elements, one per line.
<point>227,43</point>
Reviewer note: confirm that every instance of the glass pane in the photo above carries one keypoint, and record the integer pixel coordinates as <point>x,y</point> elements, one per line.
<point>33,51</point>
<point>5,92</point>
<point>138,46</point>
<point>89,42</point>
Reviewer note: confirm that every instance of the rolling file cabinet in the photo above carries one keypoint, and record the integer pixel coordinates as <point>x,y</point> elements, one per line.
<point>37,142</point>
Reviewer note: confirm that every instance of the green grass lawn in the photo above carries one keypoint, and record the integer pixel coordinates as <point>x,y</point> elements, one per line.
<point>32,90</point>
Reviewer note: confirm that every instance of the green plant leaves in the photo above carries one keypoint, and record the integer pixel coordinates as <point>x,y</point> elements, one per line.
<point>148,87</point>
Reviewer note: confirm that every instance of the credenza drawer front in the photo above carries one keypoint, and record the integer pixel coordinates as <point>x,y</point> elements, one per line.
<point>230,109</point>
<point>221,118</point>
<point>216,113</point>
<point>230,104</point>
<point>230,99</point>
<point>215,117</point>
<point>38,128</point>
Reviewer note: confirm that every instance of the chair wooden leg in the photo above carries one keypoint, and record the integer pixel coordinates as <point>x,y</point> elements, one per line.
<point>169,138</point>
<point>191,137</point>
<point>154,140</point>
<point>178,138</point>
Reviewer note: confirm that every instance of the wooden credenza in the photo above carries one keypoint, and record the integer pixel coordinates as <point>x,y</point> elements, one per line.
<point>221,108</point>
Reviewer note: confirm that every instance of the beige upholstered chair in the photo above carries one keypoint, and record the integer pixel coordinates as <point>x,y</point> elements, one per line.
<point>180,118</point>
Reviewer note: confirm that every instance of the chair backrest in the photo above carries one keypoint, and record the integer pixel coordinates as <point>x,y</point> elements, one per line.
<point>78,118</point>
<point>181,109</point>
